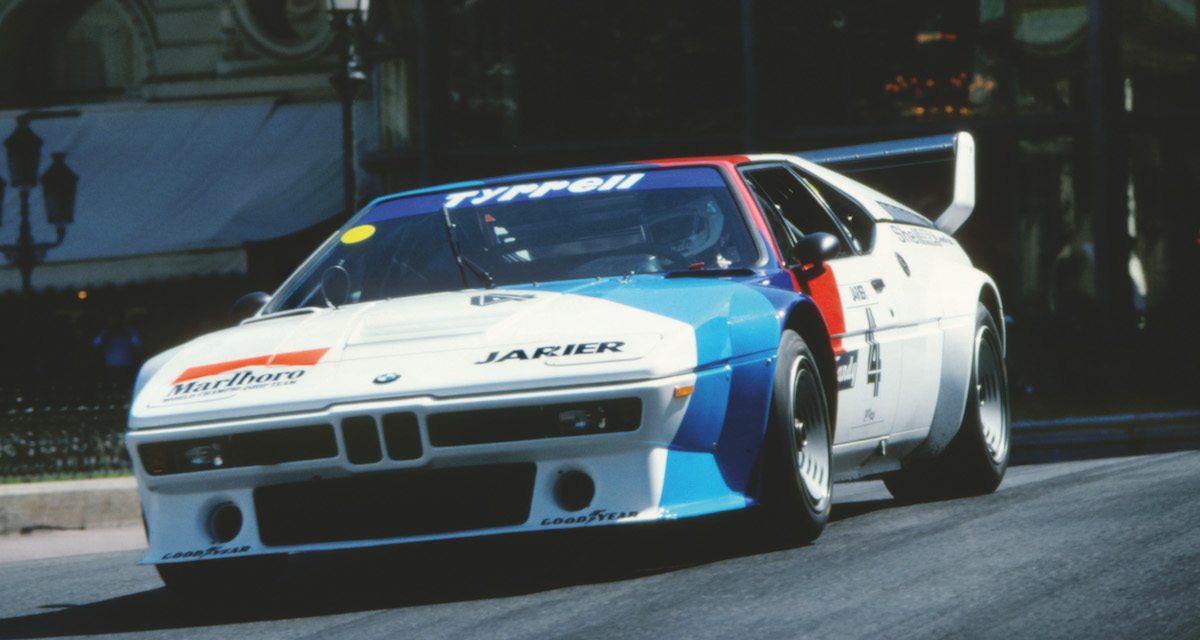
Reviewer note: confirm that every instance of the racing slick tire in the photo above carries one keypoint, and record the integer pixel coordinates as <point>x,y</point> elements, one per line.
<point>797,471</point>
<point>975,460</point>
<point>222,578</point>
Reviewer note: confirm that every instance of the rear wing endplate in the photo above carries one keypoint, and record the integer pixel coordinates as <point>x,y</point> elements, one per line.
<point>958,148</point>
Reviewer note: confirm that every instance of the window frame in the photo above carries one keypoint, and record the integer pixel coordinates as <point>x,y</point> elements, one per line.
<point>861,246</point>
<point>775,216</point>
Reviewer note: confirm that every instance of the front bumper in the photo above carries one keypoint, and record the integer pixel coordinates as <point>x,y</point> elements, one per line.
<point>354,492</point>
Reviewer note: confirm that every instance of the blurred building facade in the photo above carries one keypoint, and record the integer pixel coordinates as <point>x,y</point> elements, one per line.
<point>1085,113</point>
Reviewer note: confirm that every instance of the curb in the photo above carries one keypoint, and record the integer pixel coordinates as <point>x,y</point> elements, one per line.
<point>1113,435</point>
<point>113,502</point>
<point>69,504</point>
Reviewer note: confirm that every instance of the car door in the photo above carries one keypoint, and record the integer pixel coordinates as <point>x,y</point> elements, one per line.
<point>867,339</point>
<point>914,310</point>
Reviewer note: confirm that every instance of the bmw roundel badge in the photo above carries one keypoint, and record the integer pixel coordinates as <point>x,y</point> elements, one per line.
<point>386,378</point>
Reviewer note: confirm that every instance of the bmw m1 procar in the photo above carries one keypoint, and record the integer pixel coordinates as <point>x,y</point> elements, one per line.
<point>590,347</point>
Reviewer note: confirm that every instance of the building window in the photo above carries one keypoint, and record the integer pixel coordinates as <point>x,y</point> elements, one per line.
<point>97,53</point>
<point>911,61</point>
<point>1057,261</point>
<point>1164,230</point>
<point>284,29</point>
<point>1050,55</point>
<point>482,73</point>
<point>801,55</point>
<point>546,72</point>
<point>1159,46</point>
<point>71,54</point>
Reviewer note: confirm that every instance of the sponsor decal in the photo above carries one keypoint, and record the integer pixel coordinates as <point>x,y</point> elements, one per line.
<point>847,367</point>
<point>874,357</point>
<point>247,375</point>
<point>597,516</point>
<point>205,553</point>
<point>920,235</point>
<point>496,298</point>
<point>535,190</point>
<point>554,351</point>
<point>358,234</point>
<point>855,296</point>
<point>291,358</point>
<point>241,381</point>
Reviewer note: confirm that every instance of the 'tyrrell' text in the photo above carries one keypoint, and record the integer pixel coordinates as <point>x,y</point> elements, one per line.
<point>532,190</point>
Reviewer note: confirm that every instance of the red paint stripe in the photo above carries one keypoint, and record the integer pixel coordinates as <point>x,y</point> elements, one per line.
<point>728,161</point>
<point>824,290</point>
<point>298,358</point>
<point>291,358</point>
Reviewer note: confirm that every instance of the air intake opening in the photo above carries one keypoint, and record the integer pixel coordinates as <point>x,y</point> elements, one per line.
<point>362,440</point>
<point>224,522</point>
<point>574,491</point>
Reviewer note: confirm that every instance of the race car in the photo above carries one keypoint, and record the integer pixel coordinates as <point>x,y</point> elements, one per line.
<point>596,346</point>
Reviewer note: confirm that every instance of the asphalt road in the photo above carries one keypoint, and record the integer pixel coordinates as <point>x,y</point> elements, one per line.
<point>1083,549</point>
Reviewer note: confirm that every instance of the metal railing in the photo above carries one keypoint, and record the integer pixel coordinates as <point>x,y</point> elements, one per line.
<point>63,433</point>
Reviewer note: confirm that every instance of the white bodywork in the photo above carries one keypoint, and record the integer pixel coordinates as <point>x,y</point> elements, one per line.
<point>442,357</point>
<point>922,321</point>
<point>901,321</point>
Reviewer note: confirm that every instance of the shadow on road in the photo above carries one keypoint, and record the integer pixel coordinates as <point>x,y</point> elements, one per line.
<point>414,575</point>
<point>861,508</point>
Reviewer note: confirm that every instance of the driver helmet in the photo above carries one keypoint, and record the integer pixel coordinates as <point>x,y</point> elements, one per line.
<point>690,228</point>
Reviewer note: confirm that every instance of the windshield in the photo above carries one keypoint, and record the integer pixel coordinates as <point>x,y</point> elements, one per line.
<point>608,224</point>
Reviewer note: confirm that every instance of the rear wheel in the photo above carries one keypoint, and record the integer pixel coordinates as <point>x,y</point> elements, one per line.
<point>798,471</point>
<point>975,460</point>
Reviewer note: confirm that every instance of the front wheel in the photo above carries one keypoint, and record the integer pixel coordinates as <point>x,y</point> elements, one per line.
<point>975,460</point>
<point>798,471</point>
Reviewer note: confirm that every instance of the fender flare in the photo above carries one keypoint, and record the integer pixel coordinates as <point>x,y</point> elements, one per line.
<point>957,358</point>
<point>805,319</point>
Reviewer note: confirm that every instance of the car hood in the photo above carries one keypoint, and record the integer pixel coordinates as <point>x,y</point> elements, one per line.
<point>454,343</point>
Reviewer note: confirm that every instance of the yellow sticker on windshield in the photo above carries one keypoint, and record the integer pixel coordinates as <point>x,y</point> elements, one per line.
<point>358,234</point>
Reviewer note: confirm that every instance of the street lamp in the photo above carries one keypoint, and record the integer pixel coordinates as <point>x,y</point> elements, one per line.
<point>346,18</point>
<point>58,191</point>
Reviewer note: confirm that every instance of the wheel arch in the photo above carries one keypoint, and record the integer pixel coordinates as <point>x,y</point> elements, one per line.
<point>957,358</point>
<point>806,320</point>
<point>990,298</point>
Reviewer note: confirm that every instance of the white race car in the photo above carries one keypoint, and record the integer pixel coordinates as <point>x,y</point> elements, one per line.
<point>594,346</point>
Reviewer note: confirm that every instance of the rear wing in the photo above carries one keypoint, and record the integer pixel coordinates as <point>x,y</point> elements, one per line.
<point>956,150</point>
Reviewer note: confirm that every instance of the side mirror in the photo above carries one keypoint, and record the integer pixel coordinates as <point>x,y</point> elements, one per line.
<point>335,286</point>
<point>248,305</point>
<point>816,248</point>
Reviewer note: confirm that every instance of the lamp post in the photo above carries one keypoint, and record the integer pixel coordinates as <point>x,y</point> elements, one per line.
<point>24,150</point>
<point>346,18</point>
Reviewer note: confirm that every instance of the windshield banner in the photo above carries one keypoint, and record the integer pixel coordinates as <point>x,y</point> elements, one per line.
<point>545,190</point>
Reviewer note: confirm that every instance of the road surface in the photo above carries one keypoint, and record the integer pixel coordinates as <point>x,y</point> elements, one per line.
<point>1091,548</point>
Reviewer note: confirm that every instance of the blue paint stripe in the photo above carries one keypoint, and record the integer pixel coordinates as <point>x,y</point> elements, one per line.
<point>730,319</point>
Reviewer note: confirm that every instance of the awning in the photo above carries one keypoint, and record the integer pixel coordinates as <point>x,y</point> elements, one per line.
<point>170,191</point>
